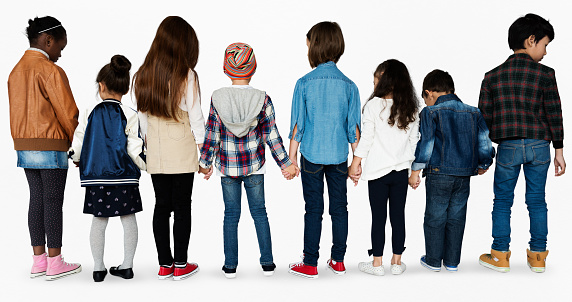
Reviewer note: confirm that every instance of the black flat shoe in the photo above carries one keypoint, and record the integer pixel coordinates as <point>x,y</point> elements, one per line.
<point>126,273</point>
<point>98,276</point>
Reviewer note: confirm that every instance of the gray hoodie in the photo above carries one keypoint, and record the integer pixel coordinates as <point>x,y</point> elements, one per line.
<point>238,108</point>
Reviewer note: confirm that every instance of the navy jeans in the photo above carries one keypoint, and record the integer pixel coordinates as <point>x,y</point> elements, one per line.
<point>534,157</point>
<point>313,188</point>
<point>231,194</point>
<point>445,216</point>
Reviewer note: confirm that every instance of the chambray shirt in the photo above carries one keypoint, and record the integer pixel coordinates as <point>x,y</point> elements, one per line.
<point>326,111</point>
<point>454,139</point>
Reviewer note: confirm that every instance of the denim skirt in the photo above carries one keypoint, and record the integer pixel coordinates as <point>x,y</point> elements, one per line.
<point>42,159</point>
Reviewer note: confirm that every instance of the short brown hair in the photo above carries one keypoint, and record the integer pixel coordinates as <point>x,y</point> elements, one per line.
<point>326,43</point>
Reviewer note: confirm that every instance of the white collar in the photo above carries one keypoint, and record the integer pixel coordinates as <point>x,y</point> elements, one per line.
<point>41,51</point>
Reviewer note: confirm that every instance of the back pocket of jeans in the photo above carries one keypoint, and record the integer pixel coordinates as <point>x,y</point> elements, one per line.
<point>309,167</point>
<point>505,155</point>
<point>541,154</point>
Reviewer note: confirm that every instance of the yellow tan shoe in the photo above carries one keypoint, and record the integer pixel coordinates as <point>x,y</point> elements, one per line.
<point>496,260</point>
<point>536,261</point>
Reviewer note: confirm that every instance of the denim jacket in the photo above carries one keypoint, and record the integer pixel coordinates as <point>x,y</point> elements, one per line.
<point>326,111</point>
<point>454,139</point>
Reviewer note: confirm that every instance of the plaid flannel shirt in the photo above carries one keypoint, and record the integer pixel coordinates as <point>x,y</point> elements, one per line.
<point>241,156</point>
<point>519,99</point>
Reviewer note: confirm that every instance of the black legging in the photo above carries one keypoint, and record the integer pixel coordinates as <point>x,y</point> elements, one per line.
<point>46,200</point>
<point>172,194</point>
<point>394,187</point>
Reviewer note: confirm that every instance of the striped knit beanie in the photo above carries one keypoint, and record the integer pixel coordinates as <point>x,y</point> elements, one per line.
<point>239,61</point>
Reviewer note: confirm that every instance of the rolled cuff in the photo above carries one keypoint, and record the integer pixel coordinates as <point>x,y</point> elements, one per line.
<point>418,166</point>
<point>558,144</point>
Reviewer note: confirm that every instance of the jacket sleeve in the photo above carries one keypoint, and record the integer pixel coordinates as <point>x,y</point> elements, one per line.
<point>424,148</point>
<point>368,133</point>
<point>298,113</point>
<point>553,110</point>
<point>61,98</point>
<point>486,151</point>
<point>272,137</point>
<point>78,135</point>
<point>134,141</point>
<point>486,103</point>
<point>354,115</point>
<point>211,145</point>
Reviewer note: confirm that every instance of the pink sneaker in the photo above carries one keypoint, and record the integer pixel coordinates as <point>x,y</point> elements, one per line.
<point>58,268</point>
<point>40,265</point>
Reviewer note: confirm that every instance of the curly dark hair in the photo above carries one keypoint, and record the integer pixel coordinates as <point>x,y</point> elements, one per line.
<point>393,79</point>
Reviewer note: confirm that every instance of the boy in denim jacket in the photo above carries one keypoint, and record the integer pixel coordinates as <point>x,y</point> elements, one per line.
<point>454,146</point>
<point>520,102</point>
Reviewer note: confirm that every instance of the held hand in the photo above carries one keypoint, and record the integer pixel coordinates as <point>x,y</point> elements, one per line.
<point>291,171</point>
<point>482,171</point>
<point>206,172</point>
<point>414,181</point>
<point>559,165</point>
<point>354,172</point>
<point>76,163</point>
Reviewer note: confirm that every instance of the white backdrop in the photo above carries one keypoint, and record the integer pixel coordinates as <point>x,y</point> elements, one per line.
<point>465,38</point>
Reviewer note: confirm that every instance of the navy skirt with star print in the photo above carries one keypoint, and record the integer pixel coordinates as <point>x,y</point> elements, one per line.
<point>110,201</point>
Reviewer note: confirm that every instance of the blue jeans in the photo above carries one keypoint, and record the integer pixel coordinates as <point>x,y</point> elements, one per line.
<point>445,216</point>
<point>534,157</point>
<point>231,194</point>
<point>313,188</point>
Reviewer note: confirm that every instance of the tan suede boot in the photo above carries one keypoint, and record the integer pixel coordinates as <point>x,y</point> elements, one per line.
<point>536,261</point>
<point>496,260</point>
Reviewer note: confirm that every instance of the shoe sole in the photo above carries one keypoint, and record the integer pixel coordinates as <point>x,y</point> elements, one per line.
<point>494,268</point>
<point>268,273</point>
<point>185,276</point>
<point>295,273</point>
<point>36,275</point>
<point>62,275</point>
<point>429,267</point>
<point>536,269</point>
<point>229,275</point>
<point>164,277</point>
<point>452,270</point>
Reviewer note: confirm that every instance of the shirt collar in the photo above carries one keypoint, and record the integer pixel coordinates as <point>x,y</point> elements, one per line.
<point>41,51</point>
<point>329,63</point>
<point>522,55</point>
<point>446,98</point>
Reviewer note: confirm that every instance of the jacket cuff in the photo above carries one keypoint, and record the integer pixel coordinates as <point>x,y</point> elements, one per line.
<point>558,144</point>
<point>418,166</point>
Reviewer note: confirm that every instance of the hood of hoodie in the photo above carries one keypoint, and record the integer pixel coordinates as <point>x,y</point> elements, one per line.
<point>238,108</point>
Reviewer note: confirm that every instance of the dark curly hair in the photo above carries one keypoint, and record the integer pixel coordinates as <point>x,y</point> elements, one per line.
<point>393,79</point>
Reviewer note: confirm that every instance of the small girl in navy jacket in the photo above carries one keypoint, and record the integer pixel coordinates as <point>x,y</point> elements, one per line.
<point>108,151</point>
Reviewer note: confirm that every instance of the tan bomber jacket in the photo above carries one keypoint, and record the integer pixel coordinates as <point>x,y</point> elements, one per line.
<point>43,113</point>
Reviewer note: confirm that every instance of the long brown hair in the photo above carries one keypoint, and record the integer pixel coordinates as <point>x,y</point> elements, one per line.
<point>160,82</point>
<point>393,78</point>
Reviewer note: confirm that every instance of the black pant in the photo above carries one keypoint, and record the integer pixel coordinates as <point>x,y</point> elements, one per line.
<point>394,187</point>
<point>172,194</point>
<point>45,217</point>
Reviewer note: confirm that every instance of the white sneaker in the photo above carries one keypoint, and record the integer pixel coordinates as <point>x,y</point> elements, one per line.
<point>368,268</point>
<point>398,269</point>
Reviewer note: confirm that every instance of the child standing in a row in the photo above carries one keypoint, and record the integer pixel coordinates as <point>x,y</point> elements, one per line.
<point>168,98</point>
<point>325,118</point>
<point>240,125</point>
<point>389,136</point>
<point>109,152</point>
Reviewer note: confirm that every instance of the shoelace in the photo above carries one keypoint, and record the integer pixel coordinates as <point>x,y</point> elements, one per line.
<point>68,264</point>
<point>298,264</point>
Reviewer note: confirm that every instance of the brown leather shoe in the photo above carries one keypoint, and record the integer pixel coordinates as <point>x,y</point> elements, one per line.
<point>496,260</point>
<point>536,261</point>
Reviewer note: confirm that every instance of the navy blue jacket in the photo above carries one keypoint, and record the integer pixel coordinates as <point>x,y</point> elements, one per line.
<point>104,159</point>
<point>454,139</point>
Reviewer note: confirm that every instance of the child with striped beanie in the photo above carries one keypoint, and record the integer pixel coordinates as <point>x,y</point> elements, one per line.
<point>241,121</point>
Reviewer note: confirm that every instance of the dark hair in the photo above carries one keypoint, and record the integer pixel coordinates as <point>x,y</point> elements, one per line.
<point>115,75</point>
<point>438,81</point>
<point>161,82</point>
<point>41,24</point>
<point>529,25</point>
<point>326,43</point>
<point>393,78</point>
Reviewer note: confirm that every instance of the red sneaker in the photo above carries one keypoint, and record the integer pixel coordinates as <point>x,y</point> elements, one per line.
<point>185,272</point>
<point>303,270</point>
<point>166,271</point>
<point>337,267</point>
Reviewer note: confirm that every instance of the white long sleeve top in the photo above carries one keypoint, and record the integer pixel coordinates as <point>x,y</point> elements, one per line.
<point>190,99</point>
<point>386,148</point>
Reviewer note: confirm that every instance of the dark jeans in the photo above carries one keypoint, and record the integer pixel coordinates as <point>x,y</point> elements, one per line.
<point>231,194</point>
<point>392,186</point>
<point>313,188</point>
<point>172,194</point>
<point>445,216</point>
<point>534,157</point>
<point>45,216</point>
